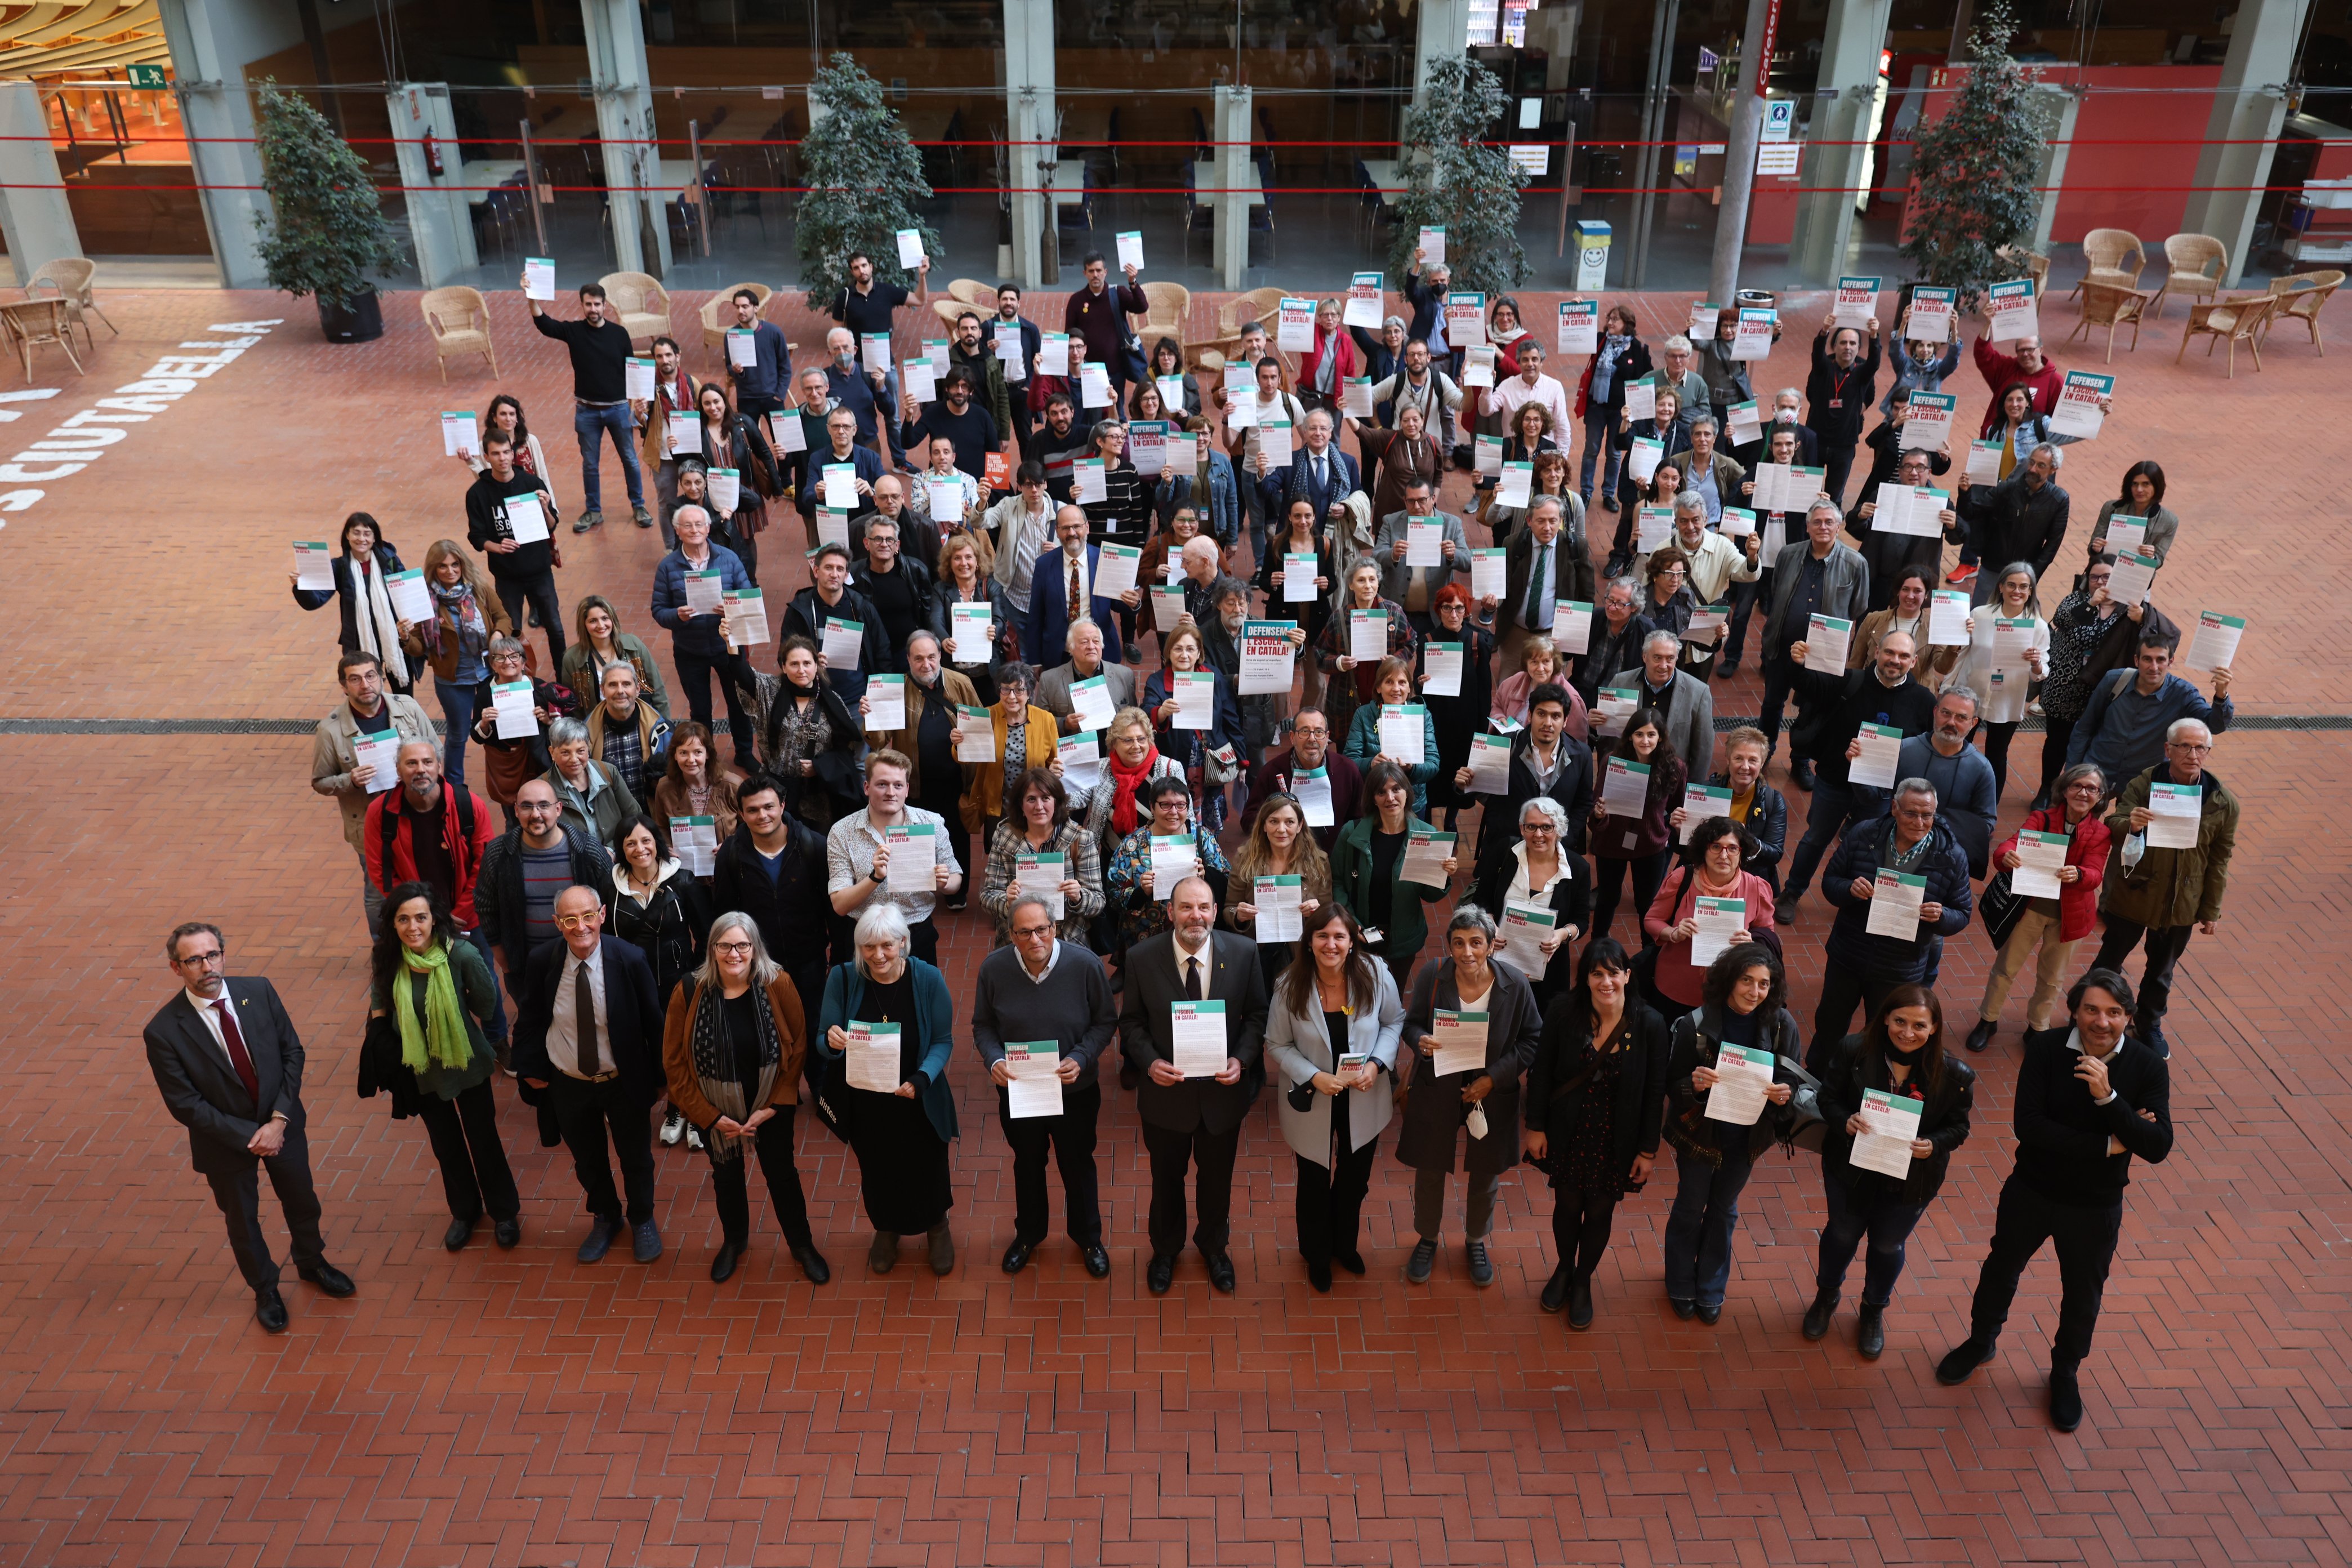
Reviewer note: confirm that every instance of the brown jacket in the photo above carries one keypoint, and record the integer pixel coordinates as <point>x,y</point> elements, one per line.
<point>1862,647</point>
<point>669,800</point>
<point>445,663</point>
<point>652,435</point>
<point>686,1096</point>
<point>983,797</point>
<point>958,688</point>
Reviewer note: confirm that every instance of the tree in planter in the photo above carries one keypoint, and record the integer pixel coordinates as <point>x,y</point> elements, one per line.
<point>864,178</point>
<point>1457,183</point>
<point>1975,170</point>
<point>329,231</point>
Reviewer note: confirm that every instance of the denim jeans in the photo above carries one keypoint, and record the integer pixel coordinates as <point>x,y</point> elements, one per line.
<point>590,425</point>
<point>695,671</point>
<point>457,725</point>
<point>1600,433</point>
<point>1888,1222</point>
<point>1742,598</point>
<point>1698,1231</point>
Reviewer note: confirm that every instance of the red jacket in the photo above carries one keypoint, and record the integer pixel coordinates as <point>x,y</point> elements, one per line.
<point>2000,371</point>
<point>2078,902</point>
<point>464,852</point>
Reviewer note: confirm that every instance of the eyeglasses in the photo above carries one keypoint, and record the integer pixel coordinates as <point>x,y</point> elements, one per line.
<point>574,923</point>
<point>732,949</point>
<point>1033,932</point>
<point>194,960</point>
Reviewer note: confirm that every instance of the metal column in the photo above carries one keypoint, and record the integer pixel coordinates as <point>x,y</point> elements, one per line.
<point>1850,51</point>
<point>209,40</point>
<point>1030,113</point>
<point>440,220</point>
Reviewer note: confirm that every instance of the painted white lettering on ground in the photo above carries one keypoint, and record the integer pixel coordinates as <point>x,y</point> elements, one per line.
<point>83,438</point>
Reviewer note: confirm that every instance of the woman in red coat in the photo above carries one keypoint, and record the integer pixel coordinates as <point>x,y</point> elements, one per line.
<point>2053,924</point>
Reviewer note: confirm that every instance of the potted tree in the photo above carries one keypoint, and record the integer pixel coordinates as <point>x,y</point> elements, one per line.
<point>1454,181</point>
<point>1974,206</point>
<point>864,178</point>
<point>329,231</point>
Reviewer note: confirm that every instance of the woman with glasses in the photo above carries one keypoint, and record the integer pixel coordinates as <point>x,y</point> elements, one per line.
<point>507,765</point>
<point>1196,750</point>
<point>1998,677</point>
<point>1539,872</point>
<point>1668,603</point>
<point>1136,897</point>
<point>430,999</point>
<point>900,1135</point>
<point>1713,868</point>
<point>732,1046</point>
<point>2057,926</point>
<point>1463,713</point>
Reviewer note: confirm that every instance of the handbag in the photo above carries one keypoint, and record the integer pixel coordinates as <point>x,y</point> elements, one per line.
<point>1800,1124</point>
<point>2002,907</point>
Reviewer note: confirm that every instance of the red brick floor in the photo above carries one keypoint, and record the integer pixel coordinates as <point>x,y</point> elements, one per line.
<point>519,1409</point>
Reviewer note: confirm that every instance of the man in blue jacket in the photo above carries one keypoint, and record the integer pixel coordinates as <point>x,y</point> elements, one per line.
<point>698,648</point>
<point>1862,966</point>
<point>763,387</point>
<point>2122,726</point>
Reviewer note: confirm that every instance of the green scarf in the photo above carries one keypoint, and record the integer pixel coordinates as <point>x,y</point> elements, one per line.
<point>439,1039</point>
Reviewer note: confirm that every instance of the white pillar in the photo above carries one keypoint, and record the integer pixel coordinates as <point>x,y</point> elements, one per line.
<point>440,223</point>
<point>624,120</point>
<point>1442,32</point>
<point>1029,111</point>
<point>210,41</point>
<point>33,213</point>
<point>1849,50</point>
<point>2247,114</point>
<point>1235,176</point>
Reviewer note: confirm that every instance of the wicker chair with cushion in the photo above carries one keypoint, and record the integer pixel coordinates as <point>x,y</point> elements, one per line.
<point>459,321</point>
<point>2239,319</point>
<point>719,313</point>
<point>2197,263</point>
<point>2116,258</point>
<point>2104,305</point>
<point>972,291</point>
<point>2300,297</point>
<point>639,303</point>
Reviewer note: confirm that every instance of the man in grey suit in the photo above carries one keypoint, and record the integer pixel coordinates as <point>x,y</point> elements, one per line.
<point>1198,1119</point>
<point>229,1065</point>
<point>1415,587</point>
<point>1085,644</point>
<point>1685,702</point>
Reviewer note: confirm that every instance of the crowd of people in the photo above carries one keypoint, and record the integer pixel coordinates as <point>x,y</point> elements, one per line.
<point>1219,864</point>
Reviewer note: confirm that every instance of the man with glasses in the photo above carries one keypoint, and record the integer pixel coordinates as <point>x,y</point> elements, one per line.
<point>1684,702</point>
<point>1310,749</point>
<point>588,1043</point>
<point>1042,989</point>
<point>229,1066</point>
<point>522,871</point>
<point>370,713</point>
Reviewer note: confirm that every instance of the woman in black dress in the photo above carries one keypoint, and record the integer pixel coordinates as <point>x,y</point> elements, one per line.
<point>1596,1098</point>
<point>1457,717</point>
<point>900,1135</point>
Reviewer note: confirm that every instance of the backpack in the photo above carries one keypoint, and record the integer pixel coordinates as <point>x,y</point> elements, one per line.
<point>465,829</point>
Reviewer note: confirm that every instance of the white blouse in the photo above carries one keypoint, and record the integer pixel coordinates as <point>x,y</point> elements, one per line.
<point>2000,690</point>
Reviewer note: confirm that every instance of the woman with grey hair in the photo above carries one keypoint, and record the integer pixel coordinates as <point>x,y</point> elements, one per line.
<point>596,803</point>
<point>2056,926</point>
<point>1996,676</point>
<point>508,765</point>
<point>732,1046</point>
<point>887,1028</point>
<point>1541,872</point>
<point>1466,984</point>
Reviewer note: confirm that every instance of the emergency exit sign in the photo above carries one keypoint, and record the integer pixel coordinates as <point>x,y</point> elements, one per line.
<point>147,76</point>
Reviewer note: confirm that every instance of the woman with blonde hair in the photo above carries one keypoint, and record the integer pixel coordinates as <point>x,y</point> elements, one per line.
<point>1278,845</point>
<point>1539,665</point>
<point>599,643</point>
<point>457,643</point>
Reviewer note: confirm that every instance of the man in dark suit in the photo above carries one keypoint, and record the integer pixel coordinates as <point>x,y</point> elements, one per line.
<point>229,1065</point>
<point>1545,563</point>
<point>1545,760</point>
<point>1318,472</point>
<point>1047,628</point>
<point>589,1038</point>
<point>1194,1119</point>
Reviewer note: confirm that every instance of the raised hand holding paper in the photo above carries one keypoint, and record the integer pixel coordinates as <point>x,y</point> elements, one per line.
<point>2011,305</point>
<point>1364,296</point>
<point>1130,249</point>
<point>2080,410</point>
<point>2215,643</point>
<point>1579,326</point>
<point>747,618</point>
<point>314,565</point>
<point>910,249</point>
<point>539,277</point>
<point>410,599</point>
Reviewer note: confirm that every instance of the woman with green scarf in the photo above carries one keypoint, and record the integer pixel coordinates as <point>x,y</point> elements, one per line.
<point>432,991</point>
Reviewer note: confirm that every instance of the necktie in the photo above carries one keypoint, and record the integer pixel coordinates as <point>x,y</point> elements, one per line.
<point>1077,591</point>
<point>583,998</point>
<point>1319,476</point>
<point>1538,609</point>
<point>1193,986</point>
<point>237,1056</point>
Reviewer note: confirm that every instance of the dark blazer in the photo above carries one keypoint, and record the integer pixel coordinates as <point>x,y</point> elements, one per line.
<point>633,1016</point>
<point>1943,1119</point>
<point>1571,786</point>
<point>1556,1097</point>
<point>1296,481</point>
<point>808,467</point>
<point>1153,983</point>
<point>1433,1110</point>
<point>203,1093</point>
<point>1572,576</point>
<point>1043,633</point>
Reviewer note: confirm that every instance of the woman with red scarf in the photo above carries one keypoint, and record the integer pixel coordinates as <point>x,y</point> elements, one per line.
<point>1325,370</point>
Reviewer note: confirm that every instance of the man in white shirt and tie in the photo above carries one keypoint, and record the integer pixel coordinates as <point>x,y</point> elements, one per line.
<point>589,1040</point>
<point>229,1066</point>
<point>1531,582</point>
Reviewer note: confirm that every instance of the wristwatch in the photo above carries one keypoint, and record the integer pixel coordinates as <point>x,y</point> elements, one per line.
<point>875,874</point>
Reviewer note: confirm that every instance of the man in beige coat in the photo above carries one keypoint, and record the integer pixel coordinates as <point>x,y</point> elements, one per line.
<point>380,720</point>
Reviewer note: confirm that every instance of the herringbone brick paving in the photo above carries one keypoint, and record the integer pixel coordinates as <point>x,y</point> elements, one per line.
<point>518,1408</point>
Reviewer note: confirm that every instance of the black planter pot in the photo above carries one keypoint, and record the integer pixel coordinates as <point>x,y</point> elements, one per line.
<point>359,321</point>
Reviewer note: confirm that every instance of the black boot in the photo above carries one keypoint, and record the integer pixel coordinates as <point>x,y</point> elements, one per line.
<point>1555,1290</point>
<point>1817,1315</point>
<point>1870,1337</point>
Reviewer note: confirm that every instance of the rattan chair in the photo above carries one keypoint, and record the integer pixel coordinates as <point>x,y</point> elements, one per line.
<point>2239,319</point>
<point>459,319</point>
<point>2197,264</point>
<point>640,304</point>
<point>719,313</point>
<point>70,276</point>
<point>2105,305</point>
<point>2300,297</point>
<point>2107,250</point>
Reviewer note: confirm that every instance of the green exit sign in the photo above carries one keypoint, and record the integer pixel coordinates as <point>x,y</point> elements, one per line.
<point>147,76</point>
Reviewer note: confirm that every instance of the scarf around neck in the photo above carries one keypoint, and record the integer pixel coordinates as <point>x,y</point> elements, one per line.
<point>714,1063</point>
<point>372,617</point>
<point>1126,782</point>
<point>439,1039</point>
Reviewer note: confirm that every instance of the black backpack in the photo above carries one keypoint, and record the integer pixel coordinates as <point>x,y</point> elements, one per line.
<point>465,830</point>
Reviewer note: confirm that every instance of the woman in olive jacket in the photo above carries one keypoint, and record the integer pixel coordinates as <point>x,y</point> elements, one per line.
<point>1744,1002</point>
<point>1902,1053</point>
<point>1595,1099</point>
<point>1438,1109</point>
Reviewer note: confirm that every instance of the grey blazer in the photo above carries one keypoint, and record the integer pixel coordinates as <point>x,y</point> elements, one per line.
<point>1300,1046</point>
<point>1396,577</point>
<point>1053,689</point>
<point>1690,720</point>
<point>1845,585</point>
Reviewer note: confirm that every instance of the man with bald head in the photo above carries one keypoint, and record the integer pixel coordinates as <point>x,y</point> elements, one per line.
<point>1883,693</point>
<point>1192,1113</point>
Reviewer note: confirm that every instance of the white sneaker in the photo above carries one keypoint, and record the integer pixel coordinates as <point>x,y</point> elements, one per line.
<point>694,1140</point>
<point>673,1128</point>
